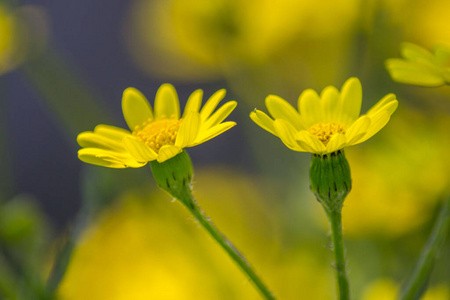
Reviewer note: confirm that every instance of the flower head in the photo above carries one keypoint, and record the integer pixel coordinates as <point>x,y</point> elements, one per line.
<point>157,134</point>
<point>421,67</point>
<point>326,123</point>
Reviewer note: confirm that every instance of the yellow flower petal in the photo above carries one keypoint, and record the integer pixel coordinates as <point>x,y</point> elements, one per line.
<point>212,132</point>
<point>377,122</point>
<point>112,132</point>
<point>135,107</point>
<point>385,100</point>
<point>157,135</point>
<point>336,143</point>
<point>263,120</point>
<point>193,103</point>
<point>350,99</point>
<point>414,73</point>
<point>329,102</point>
<point>167,152</point>
<point>211,104</point>
<point>416,53</point>
<point>309,142</point>
<point>139,150</point>
<point>281,109</point>
<point>286,132</point>
<point>93,160</point>
<point>442,56</point>
<point>310,108</point>
<point>90,139</point>
<point>390,107</point>
<point>166,102</point>
<point>331,119</point>
<point>188,130</point>
<point>357,130</point>
<point>380,116</point>
<point>220,114</point>
<point>420,66</point>
<point>108,158</point>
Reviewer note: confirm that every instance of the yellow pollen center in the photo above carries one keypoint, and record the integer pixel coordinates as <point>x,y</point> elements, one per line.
<point>158,133</point>
<point>325,131</point>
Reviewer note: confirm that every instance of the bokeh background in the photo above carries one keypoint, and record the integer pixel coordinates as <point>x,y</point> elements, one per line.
<point>63,68</point>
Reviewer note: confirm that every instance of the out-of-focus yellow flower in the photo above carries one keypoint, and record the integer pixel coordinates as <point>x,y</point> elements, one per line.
<point>326,123</point>
<point>23,32</point>
<point>8,40</point>
<point>200,39</point>
<point>399,179</point>
<point>156,135</point>
<point>143,249</point>
<point>140,251</point>
<point>425,22</point>
<point>386,289</point>
<point>421,67</point>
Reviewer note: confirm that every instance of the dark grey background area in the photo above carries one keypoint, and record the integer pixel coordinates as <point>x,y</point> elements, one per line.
<point>89,37</point>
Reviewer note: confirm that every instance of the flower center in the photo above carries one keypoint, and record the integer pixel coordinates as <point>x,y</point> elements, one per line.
<point>158,133</point>
<point>325,131</point>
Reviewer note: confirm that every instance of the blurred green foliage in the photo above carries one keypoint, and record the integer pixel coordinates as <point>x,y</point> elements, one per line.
<point>24,239</point>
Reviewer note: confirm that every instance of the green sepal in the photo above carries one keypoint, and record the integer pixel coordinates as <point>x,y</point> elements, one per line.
<point>330,179</point>
<point>174,175</point>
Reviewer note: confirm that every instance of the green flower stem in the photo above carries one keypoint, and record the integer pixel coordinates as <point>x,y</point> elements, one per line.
<point>331,182</point>
<point>335,219</point>
<point>416,285</point>
<point>175,177</point>
<point>189,202</point>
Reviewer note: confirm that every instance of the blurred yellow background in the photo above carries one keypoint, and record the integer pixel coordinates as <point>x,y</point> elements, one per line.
<point>64,66</point>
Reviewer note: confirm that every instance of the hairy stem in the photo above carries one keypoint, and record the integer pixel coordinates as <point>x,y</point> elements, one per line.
<point>335,219</point>
<point>190,203</point>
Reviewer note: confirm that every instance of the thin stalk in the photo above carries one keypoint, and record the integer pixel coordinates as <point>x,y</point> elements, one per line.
<point>190,203</point>
<point>335,219</point>
<point>416,285</point>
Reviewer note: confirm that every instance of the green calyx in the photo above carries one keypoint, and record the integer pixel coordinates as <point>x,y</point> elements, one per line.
<point>174,175</point>
<point>330,179</point>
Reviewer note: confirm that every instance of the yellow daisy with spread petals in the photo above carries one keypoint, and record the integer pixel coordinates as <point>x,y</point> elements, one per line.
<point>157,134</point>
<point>327,122</point>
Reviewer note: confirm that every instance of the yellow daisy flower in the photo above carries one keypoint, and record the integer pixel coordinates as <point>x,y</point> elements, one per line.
<point>326,123</point>
<point>157,134</point>
<point>421,67</point>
